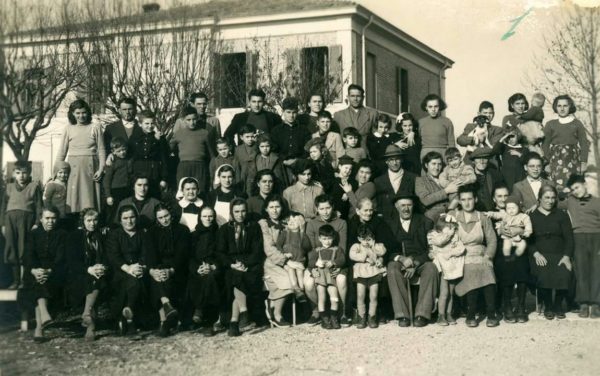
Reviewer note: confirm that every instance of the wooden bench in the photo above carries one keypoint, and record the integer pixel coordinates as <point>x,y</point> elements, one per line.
<point>11,296</point>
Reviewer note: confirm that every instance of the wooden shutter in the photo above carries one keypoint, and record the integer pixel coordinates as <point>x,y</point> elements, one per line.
<point>335,74</point>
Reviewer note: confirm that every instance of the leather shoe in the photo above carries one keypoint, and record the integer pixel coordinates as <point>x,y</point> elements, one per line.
<point>492,322</point>
<point>584,311</point>
<point>361,322</point>
<point>509,317</point>
<point>420,322</point>
<point>373,322</point>
<point>472,323</point>
<point>403,322</point>
<point>595,311</point>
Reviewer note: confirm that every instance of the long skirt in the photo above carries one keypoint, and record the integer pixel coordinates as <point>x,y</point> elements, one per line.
<point>474,277</point>
<point>205,290</point>
<point>18,224</point>
<point>82,191</point>
<point>277,281</point>
<point>587,268</point>
<point>565,161</point>
<point>551,276</point>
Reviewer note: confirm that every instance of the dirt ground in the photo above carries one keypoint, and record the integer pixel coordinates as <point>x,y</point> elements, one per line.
<point>539,347</point>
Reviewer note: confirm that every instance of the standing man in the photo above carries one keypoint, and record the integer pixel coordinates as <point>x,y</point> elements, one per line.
<point>411,261</point>
<point>264,121</point>
<point>390,184</point>
<point>357,115</point>
<point>126,126</point>
<point>200,102</point>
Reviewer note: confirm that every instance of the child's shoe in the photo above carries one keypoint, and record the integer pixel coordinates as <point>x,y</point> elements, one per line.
<point>335,324</point>
<point>326,322</point>
<point>595,311</point>
<point>361,322</point>
<point>442,321</point>
<point>244,320</point>
<point>451,320</point>
<point>234,329</point>
<point>584,311</point>
<point>373,322</point>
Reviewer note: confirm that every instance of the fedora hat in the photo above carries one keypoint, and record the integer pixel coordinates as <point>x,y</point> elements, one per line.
<point>393,151</point>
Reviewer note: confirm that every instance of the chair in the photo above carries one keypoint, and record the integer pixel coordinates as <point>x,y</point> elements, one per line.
<point>268,308</point>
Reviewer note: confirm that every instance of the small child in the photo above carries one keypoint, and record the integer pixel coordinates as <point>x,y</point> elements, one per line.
<point>266,159</point>
<point>116,182</point>
<point>295,245</point>
<point>324,263</point>
<point>21,205</point>
<point>511,151</point>
<point>224,157</point>
<point>512,218</point>
<point>318,154</point>
<point>378,140</point>
<point>353,149</point>
<point>148,151</point>
<point>244,158</point>
<point>456,171</point>
<point>333,140</point>
<point>368,271</point>
<point>535,112</point>
<point>447,253</point>
<point>55,192</point>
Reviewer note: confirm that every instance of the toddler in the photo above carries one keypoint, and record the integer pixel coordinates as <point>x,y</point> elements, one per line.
<point>512,218</point>
<point>447,253</point>
<point>55,192</point>
<point>21,205</point>
<point>224,157</point>
<point>368,271</point>
<point>324,263</point>
<point>456,171</point>
<point>295,245</point>
<point>353,149</point>
<point>535,112</point>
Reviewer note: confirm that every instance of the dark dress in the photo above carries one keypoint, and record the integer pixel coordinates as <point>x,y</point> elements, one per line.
<point>412,158</point>
<point>337,193</point>
<point>553,238</point>
<point>166,248</point>
<point>85,249</point>
<point>44,249</point>
<point>205,290</point>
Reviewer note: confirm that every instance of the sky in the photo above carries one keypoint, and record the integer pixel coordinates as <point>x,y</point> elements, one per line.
<point>469,32</point>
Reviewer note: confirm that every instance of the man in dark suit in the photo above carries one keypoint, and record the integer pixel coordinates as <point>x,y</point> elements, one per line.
<point>488,177</point>
<point>357,115</point>
<point>395,181</point>
<point>264,121</point>
<point>410,261</point>
<point>126,126</point>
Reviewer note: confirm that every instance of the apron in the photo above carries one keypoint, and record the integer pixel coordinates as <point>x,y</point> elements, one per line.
<point>476,273</point>
<point>222,211</point>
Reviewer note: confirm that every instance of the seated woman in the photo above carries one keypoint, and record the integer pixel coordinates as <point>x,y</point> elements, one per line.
<point>477,234</point>
<point>240,253</point>
<point>126,257</point>
<point>204,282</point>
<point>432,195</point>
<point>220,198</point>
<point>552,248</point>
<point>87,267</point>
<point>301,196</point>
<point>42,260</point>
<point>275,275</point>
<point>189,204</point>
<point>167,245</point>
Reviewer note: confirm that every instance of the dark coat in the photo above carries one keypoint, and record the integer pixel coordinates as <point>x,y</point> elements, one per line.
<point>384,193</point>
<point>124,249</point>
<point>493,178</point>
<point>241,119</point>
<point>79,257</point>
<point>117,129</point>
<point>414,242</point>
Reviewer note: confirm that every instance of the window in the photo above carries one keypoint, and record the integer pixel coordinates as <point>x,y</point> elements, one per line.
<point>100,86</point>
<point>315,70</point>
<point>33,88</point>
<point>402,90</point>
<point>371,84</point>
<point>233,80</point>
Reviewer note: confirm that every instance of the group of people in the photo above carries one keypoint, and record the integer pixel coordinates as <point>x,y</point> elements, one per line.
<point>345,213</point>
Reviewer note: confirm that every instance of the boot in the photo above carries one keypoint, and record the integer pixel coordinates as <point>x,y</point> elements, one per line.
<point>373,322</point>
<point>595,311</point>
<point>335,323</point>
<point>361,322</point>
<point>325,320</point>
<point>584,311</point>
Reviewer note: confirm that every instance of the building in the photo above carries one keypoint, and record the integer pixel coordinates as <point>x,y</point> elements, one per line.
<point>296,47</point>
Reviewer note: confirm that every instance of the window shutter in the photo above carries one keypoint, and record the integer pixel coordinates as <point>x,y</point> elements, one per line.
<point>252,69</point>
<point>216,82</point>
<point>336,80</point>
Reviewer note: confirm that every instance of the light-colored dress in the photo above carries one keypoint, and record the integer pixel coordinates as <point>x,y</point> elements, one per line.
<point>275,276</point>
<point>449,257</point>
<point>83,147</point>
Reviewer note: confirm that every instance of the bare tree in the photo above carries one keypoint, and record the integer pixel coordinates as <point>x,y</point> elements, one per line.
<point>37,71</point>
<point>158,61</point>
<point>572,66</point>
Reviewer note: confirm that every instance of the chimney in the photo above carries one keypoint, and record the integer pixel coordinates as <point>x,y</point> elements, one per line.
<point>151,7</point>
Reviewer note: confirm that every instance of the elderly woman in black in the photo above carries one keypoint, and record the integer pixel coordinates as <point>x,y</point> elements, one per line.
<point>240,251</point>
<point>42,260</point>
<point>126,257</point>
<point>551,248</point>
<point>166,246</point>
<point>87,267</point>
<point>204,283</point>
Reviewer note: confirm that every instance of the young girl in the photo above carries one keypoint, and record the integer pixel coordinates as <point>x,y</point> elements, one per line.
<point>436,130</point>
<point>512,218</point>
<point>266,159</point>
<point>565,142</point>
<point>189,203</point>
<point>367,271</point>
<point>517,105</point>
<point>220,198</point>
<point>318,154</point>
<point>295,245</point>
<point>333,140</point>
<point>324,262</point>
<point>456,170</point>
<point>244,158</point>
<point>447,253</point>
<point>511,151</point>
<point>410,142</point>
<point>55,192</point>
<point>224,156</point>
<point>378,140</point>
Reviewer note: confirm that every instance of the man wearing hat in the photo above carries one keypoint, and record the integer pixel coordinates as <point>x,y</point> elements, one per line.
<point>411,261</point>
<point>488,177</point>
<point>396,180</point>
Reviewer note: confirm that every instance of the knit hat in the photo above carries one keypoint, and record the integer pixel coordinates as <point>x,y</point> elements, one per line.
<point>313,142</point>
<point>513,200</point>
<point>60,165</point>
